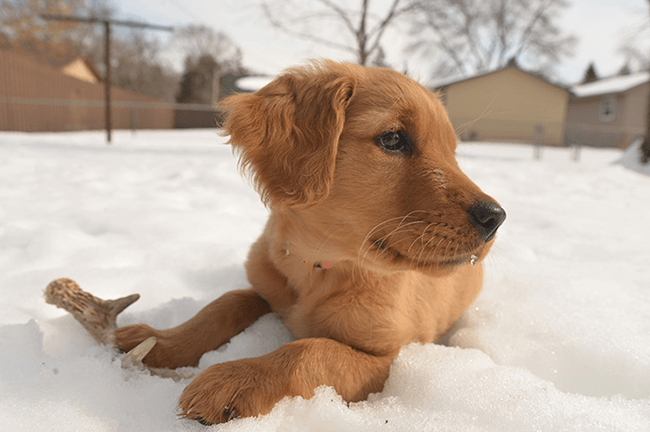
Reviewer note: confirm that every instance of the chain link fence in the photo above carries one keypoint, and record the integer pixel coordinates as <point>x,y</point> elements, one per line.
<point>36,97</point>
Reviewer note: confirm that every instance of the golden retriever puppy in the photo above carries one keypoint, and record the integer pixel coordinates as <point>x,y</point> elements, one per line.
<point>375,240</point>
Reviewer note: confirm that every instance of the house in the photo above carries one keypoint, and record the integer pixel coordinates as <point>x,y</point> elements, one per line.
<point>36,97</point>
<point>508,104</point>
<point>82,69</point>
<point>610,112</point>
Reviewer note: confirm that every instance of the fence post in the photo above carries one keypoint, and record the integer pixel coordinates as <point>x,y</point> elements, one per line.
<point>577,144</point>
<point>107,81</point>
<point>539,141</point>
<point>134,120</point>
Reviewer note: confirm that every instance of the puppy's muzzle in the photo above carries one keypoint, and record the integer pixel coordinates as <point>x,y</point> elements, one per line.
<point>486,217</point>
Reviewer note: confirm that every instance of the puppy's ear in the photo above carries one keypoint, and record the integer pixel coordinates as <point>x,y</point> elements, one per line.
<point>287,133</point>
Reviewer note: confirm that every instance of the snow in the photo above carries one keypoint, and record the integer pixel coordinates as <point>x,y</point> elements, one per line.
<point>558,340</point>
<point>611,85</point>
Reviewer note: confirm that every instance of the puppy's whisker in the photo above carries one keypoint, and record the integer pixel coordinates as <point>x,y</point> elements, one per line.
<point>444,254</point>
<point>366,240</point>
<point>372,231</point>
<point>433,234</point>
<point>431,258</point>
<point>487,111</point>
<point>325,237</point>
<point>379,225</point>
<point>384,242</point>
<point>421,236</point>
<point>385,251</point>
<point>424,246</point>
<point>435,249</point>
<point>400,228</point>
<point>456,250</point>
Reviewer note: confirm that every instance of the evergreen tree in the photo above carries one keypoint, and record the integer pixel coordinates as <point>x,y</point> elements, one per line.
<point>198,80</point>
<point>625,69</point>
<point>590,74</point>
<point>512,61</point>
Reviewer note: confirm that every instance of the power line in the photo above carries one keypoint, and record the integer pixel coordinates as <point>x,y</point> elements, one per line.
<point>187,10</point>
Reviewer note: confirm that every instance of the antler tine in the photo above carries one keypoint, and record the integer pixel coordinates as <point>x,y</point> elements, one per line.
<point>118,305</point>
<point>96,315</point>
<point>134,357</point>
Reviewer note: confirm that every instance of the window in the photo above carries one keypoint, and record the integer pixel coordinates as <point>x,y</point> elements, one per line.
<point>608,109</point>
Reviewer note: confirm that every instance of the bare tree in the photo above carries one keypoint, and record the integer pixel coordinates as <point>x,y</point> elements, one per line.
<point>324,21</point>
<point>635,46</point>
<point>22,29</point>
<point>465,37</point>
<point>635,58</point>
<point>137,66</point>
<point>196,41</point>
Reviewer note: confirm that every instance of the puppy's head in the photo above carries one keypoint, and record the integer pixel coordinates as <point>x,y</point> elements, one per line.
<point>363,160</point>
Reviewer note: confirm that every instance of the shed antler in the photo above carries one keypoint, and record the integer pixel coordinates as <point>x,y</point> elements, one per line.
<point>99,317</point>
<point>96,315</point>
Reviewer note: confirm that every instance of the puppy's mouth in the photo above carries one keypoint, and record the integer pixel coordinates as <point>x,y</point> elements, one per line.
<point>423,260</point>
<point>472,260</point>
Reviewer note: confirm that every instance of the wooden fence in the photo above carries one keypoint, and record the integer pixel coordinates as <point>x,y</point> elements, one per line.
<point>36,97</point>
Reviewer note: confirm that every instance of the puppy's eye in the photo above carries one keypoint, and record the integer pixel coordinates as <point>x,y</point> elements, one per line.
<point>395,142</point>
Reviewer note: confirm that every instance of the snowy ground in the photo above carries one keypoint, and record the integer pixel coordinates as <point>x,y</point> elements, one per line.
<point>558,340</point>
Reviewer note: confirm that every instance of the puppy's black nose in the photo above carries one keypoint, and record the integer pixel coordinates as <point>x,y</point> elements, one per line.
<point>486,217</point>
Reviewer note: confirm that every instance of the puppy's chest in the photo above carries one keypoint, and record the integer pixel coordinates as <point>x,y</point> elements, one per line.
<point>370,317</point>
<point>367,311</point>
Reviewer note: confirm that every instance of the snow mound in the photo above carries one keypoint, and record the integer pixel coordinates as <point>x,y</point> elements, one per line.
<point>631,158</point>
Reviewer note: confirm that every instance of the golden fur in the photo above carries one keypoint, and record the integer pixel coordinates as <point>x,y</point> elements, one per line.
<point>364,251</point>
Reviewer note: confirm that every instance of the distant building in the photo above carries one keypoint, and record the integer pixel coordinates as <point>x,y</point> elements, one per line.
<point>36,97</point>
<point>609,112</point>
<point>508,104</point>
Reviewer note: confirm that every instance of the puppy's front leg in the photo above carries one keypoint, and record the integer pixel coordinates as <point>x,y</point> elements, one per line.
<point>249,387</point>
<point>213,326</point>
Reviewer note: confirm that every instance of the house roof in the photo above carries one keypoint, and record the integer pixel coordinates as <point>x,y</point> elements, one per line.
<point>611,85</point>
<point>69,69</point>
<point>456,80</point>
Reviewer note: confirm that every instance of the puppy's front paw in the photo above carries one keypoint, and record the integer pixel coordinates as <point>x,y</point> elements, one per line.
<point>242,388</point>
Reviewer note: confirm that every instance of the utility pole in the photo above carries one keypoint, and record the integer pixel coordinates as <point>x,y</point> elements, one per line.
<point>107,47</point>
<point>107,80</point>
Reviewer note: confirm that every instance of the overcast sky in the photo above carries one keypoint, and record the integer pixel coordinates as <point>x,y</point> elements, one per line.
<point>601,26</point>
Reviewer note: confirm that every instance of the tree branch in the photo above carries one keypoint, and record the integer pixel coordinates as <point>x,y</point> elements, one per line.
<point>444,42</point>
<point>341,13</point>
<point>378,31</point>
<point>366,42</point>
<point>280,26</point>
<point>528,31</point>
